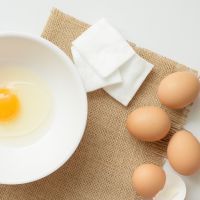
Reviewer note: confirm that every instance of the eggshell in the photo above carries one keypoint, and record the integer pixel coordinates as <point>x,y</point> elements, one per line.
<point>183,153</point>
<point>174,189</point>
<point>148,123</point>
<point>179,89</point>
<point>148,180</point>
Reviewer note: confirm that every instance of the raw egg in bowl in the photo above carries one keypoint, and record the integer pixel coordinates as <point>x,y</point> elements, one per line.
<point>43,108</point>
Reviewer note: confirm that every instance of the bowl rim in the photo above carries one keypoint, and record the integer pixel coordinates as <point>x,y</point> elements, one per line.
<point>70,64</point>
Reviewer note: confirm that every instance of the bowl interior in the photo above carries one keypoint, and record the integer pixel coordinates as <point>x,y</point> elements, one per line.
<point>26,163</point>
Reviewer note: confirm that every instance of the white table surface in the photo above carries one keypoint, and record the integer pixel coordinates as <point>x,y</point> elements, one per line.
<point>170,27</point>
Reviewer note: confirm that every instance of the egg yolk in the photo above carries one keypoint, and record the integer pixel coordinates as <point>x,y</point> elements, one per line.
<point>9,104</point>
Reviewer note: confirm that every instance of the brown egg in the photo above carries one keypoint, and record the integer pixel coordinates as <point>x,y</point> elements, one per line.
<point>148,123</point>
<point>183,153</point>
<point>178,90</point>
<point>148,180</point>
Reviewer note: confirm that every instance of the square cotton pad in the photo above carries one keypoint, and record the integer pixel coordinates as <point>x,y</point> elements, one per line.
<point>103,48</point>
<point>133,75</point>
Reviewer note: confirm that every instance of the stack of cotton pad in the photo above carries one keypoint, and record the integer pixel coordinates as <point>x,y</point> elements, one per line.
<point>105,60</point>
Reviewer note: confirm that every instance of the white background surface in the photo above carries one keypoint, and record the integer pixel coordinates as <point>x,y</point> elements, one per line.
<point>170,27</point>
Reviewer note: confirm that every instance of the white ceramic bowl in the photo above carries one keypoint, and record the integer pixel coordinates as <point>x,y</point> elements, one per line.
<point>26,163</point>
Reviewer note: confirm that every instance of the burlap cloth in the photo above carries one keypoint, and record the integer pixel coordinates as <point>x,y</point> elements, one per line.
<point>102,166</point>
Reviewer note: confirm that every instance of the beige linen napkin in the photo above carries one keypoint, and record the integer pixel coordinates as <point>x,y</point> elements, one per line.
<point>102,166</point>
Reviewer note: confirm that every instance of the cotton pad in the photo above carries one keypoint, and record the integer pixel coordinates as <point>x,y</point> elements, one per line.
<point>103,48</point>
<point>133,74</point>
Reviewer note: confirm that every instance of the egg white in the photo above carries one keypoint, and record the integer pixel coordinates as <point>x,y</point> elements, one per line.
<point>34,97</point>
